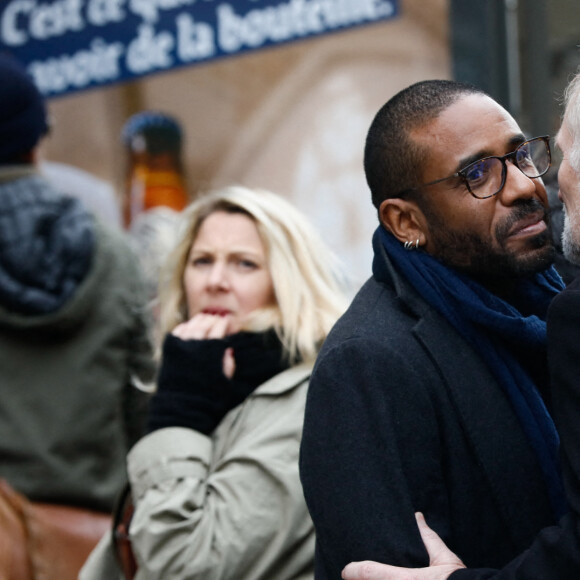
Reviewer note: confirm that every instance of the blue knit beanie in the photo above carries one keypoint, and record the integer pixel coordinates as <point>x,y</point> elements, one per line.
<point>23,117</point>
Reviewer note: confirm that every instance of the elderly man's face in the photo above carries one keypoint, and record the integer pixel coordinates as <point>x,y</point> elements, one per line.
<point>569,194</point>
<point>503,236</point>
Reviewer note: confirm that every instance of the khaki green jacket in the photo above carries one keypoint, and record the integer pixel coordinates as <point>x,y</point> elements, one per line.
<point>70,411</point>
<point>225,507</point>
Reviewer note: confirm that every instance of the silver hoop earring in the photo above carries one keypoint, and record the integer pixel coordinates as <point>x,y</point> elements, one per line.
<point>417,244</point>
<point>408,245</point>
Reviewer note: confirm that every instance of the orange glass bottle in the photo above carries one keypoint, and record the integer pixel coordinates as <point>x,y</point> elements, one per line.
<point>155,174</point>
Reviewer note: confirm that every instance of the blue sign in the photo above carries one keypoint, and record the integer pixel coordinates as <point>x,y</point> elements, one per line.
<point>71,45</point>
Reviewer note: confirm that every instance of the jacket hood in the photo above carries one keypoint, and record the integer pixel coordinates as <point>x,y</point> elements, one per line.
<point>47,247</point>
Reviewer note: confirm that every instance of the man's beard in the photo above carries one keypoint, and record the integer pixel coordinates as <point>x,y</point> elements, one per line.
<point>570,242</point>
<point>476,256</point>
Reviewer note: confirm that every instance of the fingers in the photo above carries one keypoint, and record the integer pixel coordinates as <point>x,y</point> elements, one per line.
<point>375,571</point>
<point>372,571</point>
<point>206,327</point>
<point>442,562</point>
<point>229,363</point>
<point>203,327</point>
<point>368,570</point>
<point>439,553</point>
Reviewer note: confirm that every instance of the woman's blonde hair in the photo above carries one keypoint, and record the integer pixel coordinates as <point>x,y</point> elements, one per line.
<point>308,284</point>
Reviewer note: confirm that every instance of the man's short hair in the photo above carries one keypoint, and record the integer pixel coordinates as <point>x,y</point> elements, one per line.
<point>393,162</point>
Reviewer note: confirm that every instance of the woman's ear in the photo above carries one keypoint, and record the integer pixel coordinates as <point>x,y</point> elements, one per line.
<point>404,220</point>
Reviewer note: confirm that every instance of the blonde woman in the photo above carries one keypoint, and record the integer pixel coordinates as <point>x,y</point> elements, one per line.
<point>251,294</point>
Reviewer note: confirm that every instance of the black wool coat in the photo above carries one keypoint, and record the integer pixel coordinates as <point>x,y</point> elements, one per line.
<point>402,416</point>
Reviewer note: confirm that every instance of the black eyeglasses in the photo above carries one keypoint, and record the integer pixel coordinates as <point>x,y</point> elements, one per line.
<point>486,177</point>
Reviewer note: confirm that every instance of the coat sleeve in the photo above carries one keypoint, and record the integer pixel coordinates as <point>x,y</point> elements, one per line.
<point>140,362</point>
<point>125,284</point>
<point>236,512</point>
<point>367,413</point>
<point>554,555</point>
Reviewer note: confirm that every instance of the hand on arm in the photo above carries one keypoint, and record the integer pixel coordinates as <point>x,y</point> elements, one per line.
<point>442,562</point>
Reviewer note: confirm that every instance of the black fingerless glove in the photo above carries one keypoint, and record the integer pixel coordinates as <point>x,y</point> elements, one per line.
<point>192,390</point>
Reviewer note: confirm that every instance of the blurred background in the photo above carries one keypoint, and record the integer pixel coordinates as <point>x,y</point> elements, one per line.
<point>292,116</point>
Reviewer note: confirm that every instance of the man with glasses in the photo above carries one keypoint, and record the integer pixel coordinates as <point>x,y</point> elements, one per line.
<point>430,394</point>
<point>555,552</point>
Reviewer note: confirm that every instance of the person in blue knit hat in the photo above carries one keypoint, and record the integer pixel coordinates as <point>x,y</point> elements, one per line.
<point>74,326</point>
<point>23,115</point>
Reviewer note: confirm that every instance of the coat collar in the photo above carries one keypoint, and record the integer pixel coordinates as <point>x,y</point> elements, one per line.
<point>386,273</point>
<point>477,398</point>
<point>13,172</point>
<point>286,380</point>
<point>476,394</point>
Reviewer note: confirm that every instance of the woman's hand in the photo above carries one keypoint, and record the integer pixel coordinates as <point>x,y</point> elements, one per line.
<point>203,326</point>
<point>209,326</point>
<point>442,562</point>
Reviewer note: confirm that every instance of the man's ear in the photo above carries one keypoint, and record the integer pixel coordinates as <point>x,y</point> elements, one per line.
<point>404,220</point>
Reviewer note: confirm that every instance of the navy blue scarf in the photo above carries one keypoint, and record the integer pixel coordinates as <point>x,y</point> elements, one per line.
<point>489,324</point>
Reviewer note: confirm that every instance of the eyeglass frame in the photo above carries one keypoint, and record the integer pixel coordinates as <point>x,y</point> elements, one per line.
<point>502,159</point>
